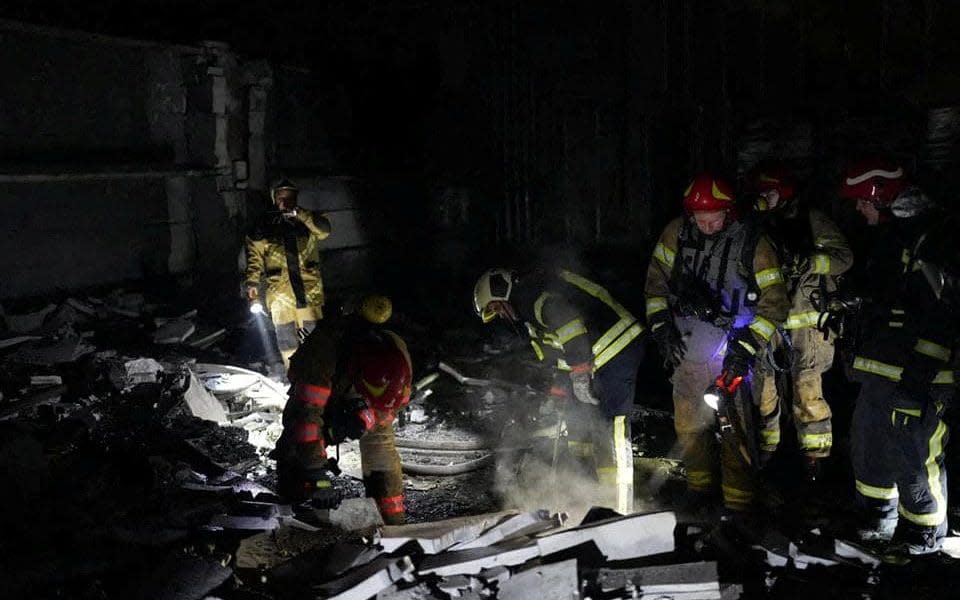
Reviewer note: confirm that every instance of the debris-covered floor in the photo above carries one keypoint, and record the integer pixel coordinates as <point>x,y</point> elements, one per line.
<point>134,465</point>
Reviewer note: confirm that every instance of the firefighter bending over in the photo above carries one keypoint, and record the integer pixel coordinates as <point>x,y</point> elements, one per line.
<point>348,379</point>
<point>596,344</point>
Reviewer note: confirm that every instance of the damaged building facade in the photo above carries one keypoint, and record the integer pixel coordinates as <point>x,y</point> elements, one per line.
<point>142,402</point>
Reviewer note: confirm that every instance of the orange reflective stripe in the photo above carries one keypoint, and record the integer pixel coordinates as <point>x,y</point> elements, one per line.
<point>314,395</point>
<point>306,433</point>
<point>369,419</point>
<point>391,505</point>
<point>584,368</point>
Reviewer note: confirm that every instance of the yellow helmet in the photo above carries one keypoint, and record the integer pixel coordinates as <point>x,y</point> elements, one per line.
<point>376,309</point>
<point>494,285</point>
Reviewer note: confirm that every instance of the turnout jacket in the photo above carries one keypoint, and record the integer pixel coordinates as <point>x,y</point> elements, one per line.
<point>902,325</point>
<point>573,316</point>
<point>812,253</point>
<point>286,253</point>
<point>685,263</point>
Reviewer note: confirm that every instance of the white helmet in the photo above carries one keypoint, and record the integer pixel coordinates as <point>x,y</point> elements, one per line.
<point>493,286</point>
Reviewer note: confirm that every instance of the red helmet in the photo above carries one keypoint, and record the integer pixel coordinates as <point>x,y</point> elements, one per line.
<point>774,176</point>
<point>706,193</point>
<point>877,181</point>
<point>381,371</point>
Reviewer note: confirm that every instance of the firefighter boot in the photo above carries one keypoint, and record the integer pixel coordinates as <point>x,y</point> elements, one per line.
<point>915,540</point>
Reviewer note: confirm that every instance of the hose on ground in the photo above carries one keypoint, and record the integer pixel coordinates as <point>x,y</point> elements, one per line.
<point>434,445</point>
<point>445,470</point>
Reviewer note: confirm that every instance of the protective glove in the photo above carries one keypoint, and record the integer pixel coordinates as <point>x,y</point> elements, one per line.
<point>346,419</point>
<point>741,350</point>
<point>581,378</point>
<point>319,490</point>
<point>670,343</point>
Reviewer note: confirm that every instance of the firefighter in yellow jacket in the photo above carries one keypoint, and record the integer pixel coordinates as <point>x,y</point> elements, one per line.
<point>812,254</point>
<point>284,250</point>
<point>348,380</point>
<point>715,296</point>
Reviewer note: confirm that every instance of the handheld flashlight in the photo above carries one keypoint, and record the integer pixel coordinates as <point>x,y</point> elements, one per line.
<point>256,307</point>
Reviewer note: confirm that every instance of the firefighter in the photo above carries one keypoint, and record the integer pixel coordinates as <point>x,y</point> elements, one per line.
<point>348,380</point>
<point>812,254</point>
<point>715,296</point>
<point>902,356</point>
<point>596,343</point>
<point>284,249</point>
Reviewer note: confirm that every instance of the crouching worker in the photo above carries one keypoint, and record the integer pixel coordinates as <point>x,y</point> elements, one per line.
<point>344,387</point>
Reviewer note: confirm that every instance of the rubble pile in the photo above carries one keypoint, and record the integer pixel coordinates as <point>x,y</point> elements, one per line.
<point>134,459</point>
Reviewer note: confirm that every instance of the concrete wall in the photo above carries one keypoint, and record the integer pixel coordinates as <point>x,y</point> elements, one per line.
<point>119,160</point>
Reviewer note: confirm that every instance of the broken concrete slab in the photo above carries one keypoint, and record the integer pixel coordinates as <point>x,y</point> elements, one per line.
<point>353,514</point>
<point>42,352</point>
<point>186,578</point>
<point>202,403</point>
<point>204,338</point>
<point>9,341</point>
<point>622,538</point>
<point>777,550</point>
<point>142,370</point>
<point>368,580</point>
<point>242,523</point>
<point>456,585</point>
<point>558,580</point>
<point>693,580</point>
<point>320,564</point>
<point>475,560</point>
<point>44,395</point>
<point>440,535</point>
<point>174,332</point>
<point>28,322</point>
<point>951,547</point>
<point>524,524</point>
<point>421,591</point>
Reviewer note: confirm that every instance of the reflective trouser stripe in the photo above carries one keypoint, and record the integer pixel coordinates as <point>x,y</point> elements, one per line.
<point>736,498</point>
<point>391,505</point>
<point>935,451</point>
<point>621,472</point>
<point>313,395</point>
<point>580,449</point>
<point>770,438</point>
<point>816,441</point>
<point>877,493</point>
<point>699,481</point>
